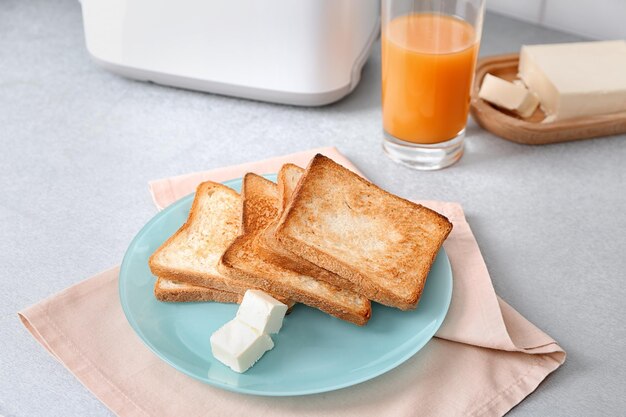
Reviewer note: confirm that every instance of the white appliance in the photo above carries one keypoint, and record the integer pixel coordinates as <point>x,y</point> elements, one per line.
<point>302,52</point>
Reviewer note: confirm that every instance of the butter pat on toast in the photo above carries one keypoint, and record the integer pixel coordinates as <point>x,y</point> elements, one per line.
<point>244,260</point>
<point>383,244</point>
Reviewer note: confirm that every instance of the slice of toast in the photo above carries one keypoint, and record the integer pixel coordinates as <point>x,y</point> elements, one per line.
<point>244,260</point>
<point>181,292</point>
<point>175,291</point>
<point>191,255</point>
<point>288,178</point>
<point>382,243</point>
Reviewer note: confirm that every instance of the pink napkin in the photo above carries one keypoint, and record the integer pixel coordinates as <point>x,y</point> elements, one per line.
<point>485,359</point>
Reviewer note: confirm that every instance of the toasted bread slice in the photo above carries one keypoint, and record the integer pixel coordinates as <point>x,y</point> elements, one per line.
<point>288,178</point>
<point>192,253</point>
<point>180,292</point>
<point>245,261</point>
<point>382,243</point>
<point>175,291</point>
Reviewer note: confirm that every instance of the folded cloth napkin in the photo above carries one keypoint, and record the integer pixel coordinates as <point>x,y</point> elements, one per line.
<point>483,361</point>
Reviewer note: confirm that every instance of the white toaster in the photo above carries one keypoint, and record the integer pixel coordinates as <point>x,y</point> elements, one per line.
<point>302,52</point>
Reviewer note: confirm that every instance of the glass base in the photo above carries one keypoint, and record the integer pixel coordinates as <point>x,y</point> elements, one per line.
<point>424,157</point>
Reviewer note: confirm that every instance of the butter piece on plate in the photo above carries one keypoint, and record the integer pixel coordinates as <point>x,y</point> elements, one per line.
<point>510,96</point>
<point>261,312</point>
<point>576,79</point>
<point>239,346</point>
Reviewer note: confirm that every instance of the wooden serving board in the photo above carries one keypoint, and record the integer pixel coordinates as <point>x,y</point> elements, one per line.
<point>531,131</point>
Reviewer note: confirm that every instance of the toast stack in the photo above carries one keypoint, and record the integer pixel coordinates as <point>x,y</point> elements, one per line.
<point>247,261</point>
<point>322,236</point>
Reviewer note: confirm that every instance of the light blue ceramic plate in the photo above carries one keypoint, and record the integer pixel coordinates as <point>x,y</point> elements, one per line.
<point>313,352</point>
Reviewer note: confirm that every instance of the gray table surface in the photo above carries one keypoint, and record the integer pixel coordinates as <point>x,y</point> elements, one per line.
<point>79,145</point>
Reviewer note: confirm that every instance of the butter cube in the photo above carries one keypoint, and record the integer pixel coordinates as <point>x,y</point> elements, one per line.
<point>239,346</point>
<point>261,312</point>
<point>511,96</point>
<point>576,79</point>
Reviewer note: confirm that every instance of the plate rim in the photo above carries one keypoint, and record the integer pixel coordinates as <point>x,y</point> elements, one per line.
<point>328,388</point>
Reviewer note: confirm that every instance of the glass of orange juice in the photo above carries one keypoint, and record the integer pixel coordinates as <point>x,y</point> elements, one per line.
<point>429,50</point>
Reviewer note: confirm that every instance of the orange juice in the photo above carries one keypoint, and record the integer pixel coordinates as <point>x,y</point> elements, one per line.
<point>427,70</point>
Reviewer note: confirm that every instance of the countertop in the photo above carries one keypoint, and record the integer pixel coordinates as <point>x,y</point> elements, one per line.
<point>79,145</point>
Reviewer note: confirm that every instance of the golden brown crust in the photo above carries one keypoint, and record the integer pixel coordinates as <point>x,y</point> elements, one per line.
<point>192,293</point>
<point>385,245</point>
<point>245,261</point>
<point>340,310</point>
<point>288,178</point>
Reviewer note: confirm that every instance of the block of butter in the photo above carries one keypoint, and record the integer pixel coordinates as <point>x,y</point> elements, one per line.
<point>576,79</point>
<point>261,312</point>
<point>239,346</point>
<point>242,341</point>
<point>508,95</point>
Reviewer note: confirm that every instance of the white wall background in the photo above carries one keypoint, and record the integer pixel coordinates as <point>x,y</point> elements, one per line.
<point>596,19</point>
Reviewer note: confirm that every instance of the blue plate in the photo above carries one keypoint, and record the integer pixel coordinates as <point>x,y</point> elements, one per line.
<point>313,352</point>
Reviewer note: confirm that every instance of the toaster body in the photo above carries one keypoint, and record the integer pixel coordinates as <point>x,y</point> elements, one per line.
<point>304,52</point>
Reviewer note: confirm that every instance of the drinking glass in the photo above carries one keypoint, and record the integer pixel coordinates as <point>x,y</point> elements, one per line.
<point>429,50</point>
